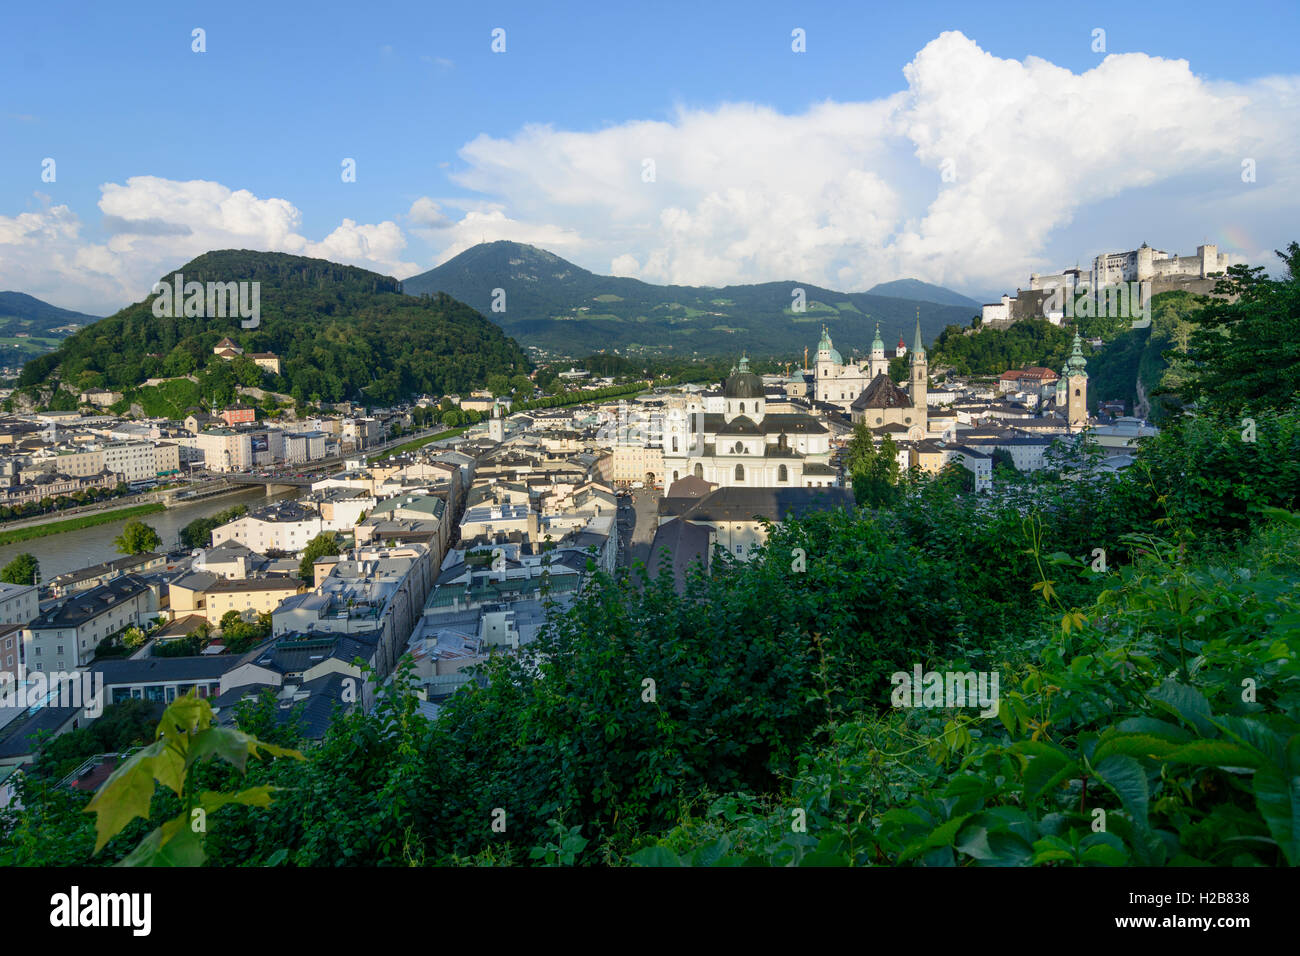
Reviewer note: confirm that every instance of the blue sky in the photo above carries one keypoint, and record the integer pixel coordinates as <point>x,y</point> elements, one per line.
<point>439,126</point>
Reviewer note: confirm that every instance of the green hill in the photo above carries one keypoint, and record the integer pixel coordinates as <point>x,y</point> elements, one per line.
<point>341,333</point>
<point>30,327</point>
<point>559,307</point>
<point>923,292</point>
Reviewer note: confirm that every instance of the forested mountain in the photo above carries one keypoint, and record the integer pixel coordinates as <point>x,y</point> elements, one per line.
<point>30,327</point>
<point>340,332</point>
<point>922,292</point>
<point>555,305</point>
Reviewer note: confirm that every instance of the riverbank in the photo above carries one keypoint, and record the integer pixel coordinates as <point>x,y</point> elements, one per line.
<point>27,533</point>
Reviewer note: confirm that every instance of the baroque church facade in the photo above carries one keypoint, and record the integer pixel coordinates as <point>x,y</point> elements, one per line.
<point>745,446</point>
<point>880,403</point>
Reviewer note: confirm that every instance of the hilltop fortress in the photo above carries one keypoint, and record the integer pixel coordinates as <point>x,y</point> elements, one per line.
<point>1047,294</point>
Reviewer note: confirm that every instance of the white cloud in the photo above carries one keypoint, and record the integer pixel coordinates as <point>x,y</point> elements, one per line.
<point>1050,166</point>
<point>157,224</point>
<point>850,194</point>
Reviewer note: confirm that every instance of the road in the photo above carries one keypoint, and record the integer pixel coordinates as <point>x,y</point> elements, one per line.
<point>637,522</point>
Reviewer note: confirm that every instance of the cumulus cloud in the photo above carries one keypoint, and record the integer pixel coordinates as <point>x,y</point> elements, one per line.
<point>970,175</point>
<point>156,224</point>
<point>977,171</point>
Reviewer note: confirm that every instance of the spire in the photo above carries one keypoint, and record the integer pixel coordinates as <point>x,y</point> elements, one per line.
<point>877,344</point>
<point>1076,363</point>
<point>918,347</point>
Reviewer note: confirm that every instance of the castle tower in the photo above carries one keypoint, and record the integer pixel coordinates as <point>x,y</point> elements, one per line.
<point>920,368</point>
<point>1145,263</point>
<point>879,365</point>
<point>1209,256</point>
<point>1077,384</point>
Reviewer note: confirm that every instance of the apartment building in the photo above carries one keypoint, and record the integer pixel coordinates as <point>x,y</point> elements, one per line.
<point>66,637</point>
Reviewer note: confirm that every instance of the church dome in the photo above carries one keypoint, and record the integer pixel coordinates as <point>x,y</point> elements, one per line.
<point>824,345</point>
<point>742,383</point>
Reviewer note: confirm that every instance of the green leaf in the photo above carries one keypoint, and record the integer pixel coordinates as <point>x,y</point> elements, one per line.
<point>260,796</point>
<point>1186,703</point>
<point>1277,794</point>
<point>1126,777</point>
<point>1133,745</point>
<point>175,843</point>
<point>656,856</point>
<point>1216,753</point>
<point>125,795</point>
<point>1048,770</point>
<point>1155,728</point>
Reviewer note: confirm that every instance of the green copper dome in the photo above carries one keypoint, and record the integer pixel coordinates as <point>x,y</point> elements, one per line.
<point>1076,363</point>
<point>825,346</point>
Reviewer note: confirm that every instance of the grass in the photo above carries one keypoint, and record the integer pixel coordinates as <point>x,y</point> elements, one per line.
<point>75,524</point>
<point>419,443</point>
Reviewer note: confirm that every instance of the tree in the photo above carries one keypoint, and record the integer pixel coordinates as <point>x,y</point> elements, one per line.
<point>24,569</point>
<point>325,543</point>
<point>1245,354</point>
<point>874,472</point>
<point>137,538</point>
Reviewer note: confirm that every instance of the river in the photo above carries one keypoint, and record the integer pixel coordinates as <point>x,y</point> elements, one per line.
<point>71,550</point>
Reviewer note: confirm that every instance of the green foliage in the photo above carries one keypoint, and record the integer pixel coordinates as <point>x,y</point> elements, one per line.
<point>24,569</point>
<point>325,543</point>
<point>198,533</point>
<point>875,472</point>
<point>1147,363</point>
<point>239,635</point>
<point>993,351</point>
<point>122,726</point>
<point>186,735</point>
<point>341,333</point>
<point>1098,756</point>
<point>1245,354</point>
<point>186,646</point>
<point>137,538</point>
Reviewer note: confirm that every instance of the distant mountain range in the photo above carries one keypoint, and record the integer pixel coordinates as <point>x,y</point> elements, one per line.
<point>556,306</point>
<point>922,292</point>
<point>30,327</point>
<point>340,333</point>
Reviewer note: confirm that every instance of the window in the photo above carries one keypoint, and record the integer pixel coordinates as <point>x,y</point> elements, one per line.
<point>742,408</point>
<point>740,472</point>
<point>674,443</point>
<point>782,474</point>
<point>699,471</point>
